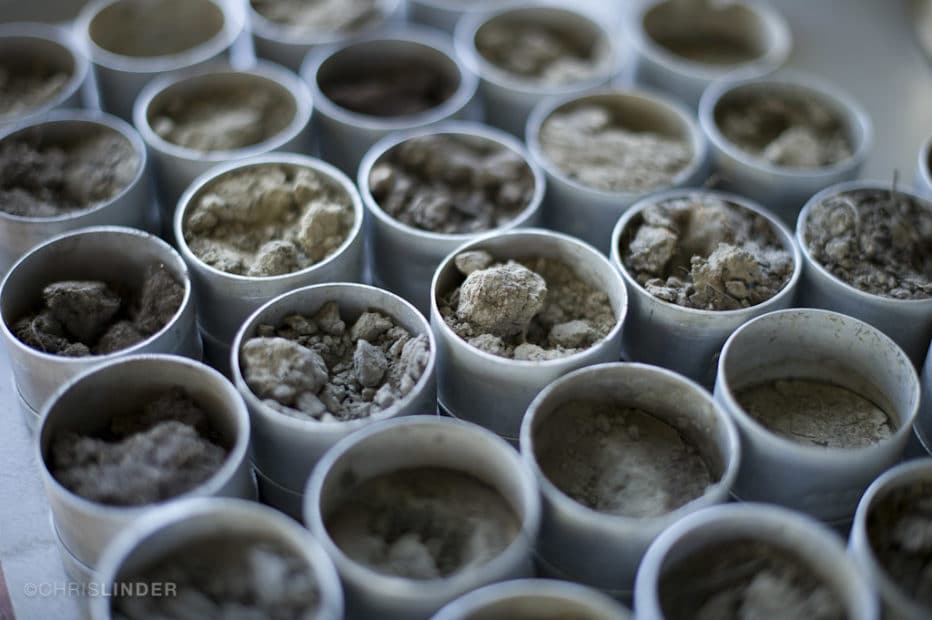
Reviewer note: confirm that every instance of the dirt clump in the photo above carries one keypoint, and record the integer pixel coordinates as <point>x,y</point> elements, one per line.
<point>163,450</point>
<point>705,253</point>
<point>423,523</point>
<point>323,16</point>
<point>268,220</point>
<point>877,241</point>
<point>741,579</point>
<point>452,184</point>
<point>45,178</point>
<point>26,86</point>
<point>529,309</point>
<point>592,146</point>
<point>319,368</point>
<point>88,317</point>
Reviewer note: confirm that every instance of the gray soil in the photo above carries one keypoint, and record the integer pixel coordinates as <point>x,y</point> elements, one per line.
<point>389,87</point>
<point>423,523</point>
<point>44,178</point>
<point>591,145</point>
<point>80,318</point>
<point>745,580</point>
<point>710,48</point>
<point>704,253</point>
<point>619,460</point>
<point>23,89</point>
<point>816,413</point>
<point>547,54</point>
<point>150,455</point>
<point>900,531</point>
<point>224,118</point>
<point>531,309</point>
<point>795,131</point>
<point>452,184</point>
<point>229,577</point>
<point>877,241</point>
<point>156,27</point>
<point>268,220</point>
<point>322,16</point>
<point>319,368</point>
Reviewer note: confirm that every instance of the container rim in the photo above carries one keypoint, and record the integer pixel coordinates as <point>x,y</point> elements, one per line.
<point>925,163</point>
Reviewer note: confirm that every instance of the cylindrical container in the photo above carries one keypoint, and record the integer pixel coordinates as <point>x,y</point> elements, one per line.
<point>444,14</point>
<point>825,482</point>
<point>590,213</point>
<point>509,98</point>
<point>114,255</point>
<point>278,497</point>
<point>131,206</point>
<point>810,542</point>
<point>75,569</point>
<point>404,258</point>
<point>225,300</point>
<point>907,321</point>
<point>344,135</point>
<point>171,530</point>
<point>494,391</point>
<point>284,448</point>
<point>754,26</point>
<point>49,48</point>
<point>130,43</point>
<point>782,189</point>
<point>600,549</point>
<point>897,604</point>
<point>288,44</point>
<point>924,170</point>
<point>689,340</point>
<point>176,166</point>
<point>88,403</point>
<point>924,420</point>
<point>525,599</point>
<point>421,442</point>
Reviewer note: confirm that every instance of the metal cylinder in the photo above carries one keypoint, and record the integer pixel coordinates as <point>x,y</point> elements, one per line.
<point>689,340</point>
<point>907,321</point>
<point>924,171</point>
<point>132,206</point>
<point>534,598</point>
<point>344,136</point>
<point>590,213</point>
<point>75,569</point>
<point>171,530</point>
<point>825,482</point>
<point>923,425</point>
<point>603,550</point>
<point>404,258</point>
<point>175,166</point>
<point>285,449</point>
<point>114,255</point>
<point>88,403</point>
<point>50,47</point>
<point>411,442</point>
<point>755,24</point>
<point>278,497</point>
<point>783,190</point>
<point>494,391</point>
<point>120,76</point>
<point>508,98</point>
<point>810,542</point>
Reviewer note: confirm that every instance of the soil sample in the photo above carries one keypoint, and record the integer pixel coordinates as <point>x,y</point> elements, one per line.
<point>816,413</point>
<point>877,241</point>
<point>619,460</point>
<point>423,523</point>
<point>43,178</point>
<point>546,54</point>
<point>592,146</point>
<point>268,220</point>
<point>27,84</point>
<point>318,368</point>
<point>698,31</point>
<point>155,453</point>
<point>744,579</point>
<point>234,577</point>
<point>320,16</point>
<point>899,527</point>
<point>705,253</point>
<point>389,87</point>
<point>452,184</point>
<point>787,130</point>
<point>530,309</point>
<point>88,317</point>
<point>155,27</point>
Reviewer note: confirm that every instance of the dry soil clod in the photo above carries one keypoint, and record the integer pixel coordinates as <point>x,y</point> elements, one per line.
<point>26,85</point>
<point>320,16</point>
